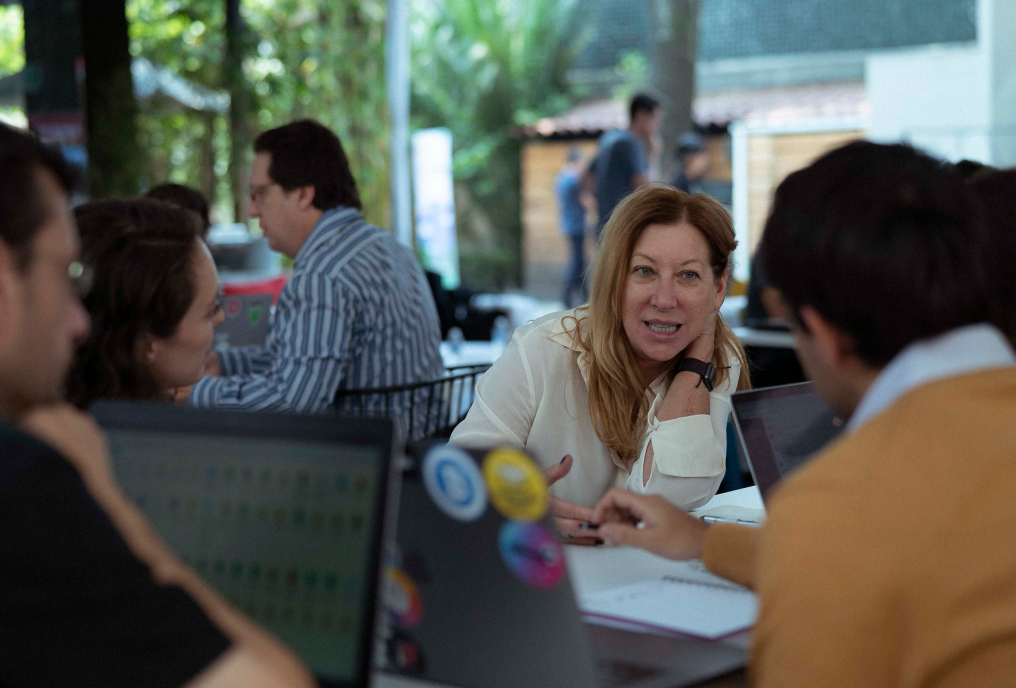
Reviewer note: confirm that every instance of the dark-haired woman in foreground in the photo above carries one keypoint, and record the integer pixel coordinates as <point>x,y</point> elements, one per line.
<point>154,302</point>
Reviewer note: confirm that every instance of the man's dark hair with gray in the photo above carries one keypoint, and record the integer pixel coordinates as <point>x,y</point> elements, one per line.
<point>307,153</point>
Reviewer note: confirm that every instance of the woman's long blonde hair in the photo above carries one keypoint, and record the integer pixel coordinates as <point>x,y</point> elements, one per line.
<point>617,393</point>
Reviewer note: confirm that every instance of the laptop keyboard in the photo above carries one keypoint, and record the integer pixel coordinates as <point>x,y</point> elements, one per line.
<point>615,672</point>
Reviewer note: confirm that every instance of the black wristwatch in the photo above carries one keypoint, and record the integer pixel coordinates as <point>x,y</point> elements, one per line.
<point>707,371</point>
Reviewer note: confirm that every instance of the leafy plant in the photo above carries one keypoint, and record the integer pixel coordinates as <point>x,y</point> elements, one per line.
<point>307,58</point>
<point>483,69</point>
<point>12,39</point>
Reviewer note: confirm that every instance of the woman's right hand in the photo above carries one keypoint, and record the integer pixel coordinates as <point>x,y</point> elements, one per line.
<point>573,520</point>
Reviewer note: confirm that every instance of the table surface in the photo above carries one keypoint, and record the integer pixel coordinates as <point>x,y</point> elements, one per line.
<point>470,353</point>
<point>599,568</point>
<point>593,569</point>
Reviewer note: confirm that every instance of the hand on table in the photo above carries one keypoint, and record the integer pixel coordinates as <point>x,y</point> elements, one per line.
<point>649,522</point>
<point>567,515</point>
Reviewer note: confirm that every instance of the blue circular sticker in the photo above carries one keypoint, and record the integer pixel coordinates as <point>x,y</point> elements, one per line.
<point>454,482</point>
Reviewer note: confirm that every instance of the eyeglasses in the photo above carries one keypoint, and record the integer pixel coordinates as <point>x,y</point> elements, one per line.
<point>258,191</point>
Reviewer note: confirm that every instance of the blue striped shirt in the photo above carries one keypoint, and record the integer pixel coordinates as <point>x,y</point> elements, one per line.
<point>357,313</point>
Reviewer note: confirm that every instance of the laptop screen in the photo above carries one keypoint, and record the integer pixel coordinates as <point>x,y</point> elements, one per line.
<point>287,528</point>
<point>781,428</point>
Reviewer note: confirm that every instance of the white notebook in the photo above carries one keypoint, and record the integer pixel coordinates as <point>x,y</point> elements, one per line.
<point>691,602</point>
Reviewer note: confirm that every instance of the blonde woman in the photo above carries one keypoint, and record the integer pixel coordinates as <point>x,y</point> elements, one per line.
<point>622,385</point>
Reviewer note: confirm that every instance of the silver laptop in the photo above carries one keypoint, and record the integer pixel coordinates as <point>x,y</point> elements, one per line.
<point>780,428</point>
<point>247,320</point>
<point>284,515</point>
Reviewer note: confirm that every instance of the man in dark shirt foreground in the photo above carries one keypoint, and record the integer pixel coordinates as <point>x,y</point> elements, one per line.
<point>89,594</point>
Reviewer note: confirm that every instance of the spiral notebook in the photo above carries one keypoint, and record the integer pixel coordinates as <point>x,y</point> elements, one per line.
<point>690,602</point>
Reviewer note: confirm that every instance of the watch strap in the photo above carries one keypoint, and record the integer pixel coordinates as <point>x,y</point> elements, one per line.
<point>705,370</point>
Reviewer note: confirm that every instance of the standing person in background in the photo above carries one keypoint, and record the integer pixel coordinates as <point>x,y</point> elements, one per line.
<point>622,163</point>
<point>692,163</point>
<point>357,312</point>
<point>571,207</point>
<point>184,197</point>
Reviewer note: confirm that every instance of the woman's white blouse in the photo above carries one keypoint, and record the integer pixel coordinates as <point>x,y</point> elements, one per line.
<point>535,397</point>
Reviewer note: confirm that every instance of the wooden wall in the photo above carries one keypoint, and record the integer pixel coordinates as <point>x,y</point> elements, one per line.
<point>771,157</point>
<point>544,249</point>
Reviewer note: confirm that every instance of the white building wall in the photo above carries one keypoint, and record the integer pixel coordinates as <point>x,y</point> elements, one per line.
<point>935,97</point>
<point>953,101</point>
<point>997,23</point>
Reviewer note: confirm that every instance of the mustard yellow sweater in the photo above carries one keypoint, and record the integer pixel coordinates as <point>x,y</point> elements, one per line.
<point>890,560</point>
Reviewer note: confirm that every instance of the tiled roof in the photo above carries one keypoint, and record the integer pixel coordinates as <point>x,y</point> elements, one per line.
<point>771,105</point>
<point>753,28</point>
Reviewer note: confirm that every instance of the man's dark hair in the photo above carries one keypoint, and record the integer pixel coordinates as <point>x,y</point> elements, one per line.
<point>642,102</point>
<point>22,210</point>
<point>996,192</point>
<point>185,197</point>
<point>967,169</point>
<point>307,153</point>
<point>142,254</point>
<point>885,242</point>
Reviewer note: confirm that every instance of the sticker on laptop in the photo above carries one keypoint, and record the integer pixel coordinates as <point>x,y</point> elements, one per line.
<point>454,483</point>
<point>517,487</point>
<point>404,654</point>
<point>402,598</point>
<point>532,553</point>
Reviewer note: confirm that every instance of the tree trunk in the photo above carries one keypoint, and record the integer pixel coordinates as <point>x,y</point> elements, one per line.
<point>674,47</point>
<point>240,137</point>
<point>115,160</point>
<point>206,173</point>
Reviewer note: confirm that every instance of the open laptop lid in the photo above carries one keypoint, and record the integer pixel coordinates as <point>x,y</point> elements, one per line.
<point>476,598</point>
<point>284,515</point>
<point>780,428</point>
<point>478,594</point>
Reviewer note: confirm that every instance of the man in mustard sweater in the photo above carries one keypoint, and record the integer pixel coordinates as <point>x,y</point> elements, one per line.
<point>890,559</point>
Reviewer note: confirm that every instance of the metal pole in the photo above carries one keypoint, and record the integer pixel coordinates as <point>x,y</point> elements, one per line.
<point>397,84</point>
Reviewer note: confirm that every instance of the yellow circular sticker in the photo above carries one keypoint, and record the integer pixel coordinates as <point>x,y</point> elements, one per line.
<point>517,487</point>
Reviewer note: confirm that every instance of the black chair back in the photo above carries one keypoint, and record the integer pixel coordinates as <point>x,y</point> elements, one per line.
<point>427,410</point>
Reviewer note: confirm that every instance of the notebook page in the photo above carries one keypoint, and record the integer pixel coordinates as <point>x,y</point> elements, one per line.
<point>698,607</point>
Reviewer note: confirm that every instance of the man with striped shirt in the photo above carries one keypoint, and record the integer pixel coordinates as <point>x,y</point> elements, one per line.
<point>357,312</point>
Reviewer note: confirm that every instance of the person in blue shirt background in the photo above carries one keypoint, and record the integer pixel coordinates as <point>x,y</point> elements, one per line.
<point>622,162</point>
<point>571,202</point>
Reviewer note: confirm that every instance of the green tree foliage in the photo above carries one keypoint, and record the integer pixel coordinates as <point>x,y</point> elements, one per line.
<point>307,58</point>
<point>325,59</point>
<point>12,56</point>
<point>483,69</point>
<point>12,40</point>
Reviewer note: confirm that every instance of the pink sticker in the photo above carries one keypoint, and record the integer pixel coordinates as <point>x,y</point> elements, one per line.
<point>531,553</point>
